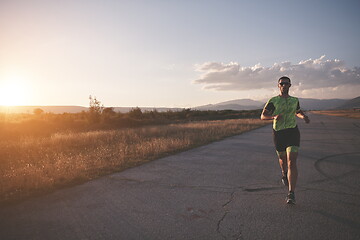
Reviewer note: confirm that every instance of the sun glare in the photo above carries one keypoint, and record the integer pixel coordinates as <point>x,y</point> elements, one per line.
<point>13,91</point>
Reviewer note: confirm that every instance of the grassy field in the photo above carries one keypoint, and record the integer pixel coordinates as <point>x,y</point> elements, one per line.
<point>340,113</point>
<point>32,165</point>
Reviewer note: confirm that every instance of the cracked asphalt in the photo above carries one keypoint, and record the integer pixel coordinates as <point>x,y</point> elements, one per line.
<point>229,189</point>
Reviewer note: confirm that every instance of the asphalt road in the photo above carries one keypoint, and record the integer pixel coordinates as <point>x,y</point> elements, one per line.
<point>225,190</point>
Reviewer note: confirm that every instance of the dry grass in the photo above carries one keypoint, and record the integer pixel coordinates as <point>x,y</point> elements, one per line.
<point>34,165</point>
<point>341,113</point>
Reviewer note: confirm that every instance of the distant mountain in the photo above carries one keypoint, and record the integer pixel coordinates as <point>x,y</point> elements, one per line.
<point>248,104</point>
<point>238,104</point>
<point>163,109</point>
<point>216,107</point>
<point>244,102</point>
<point>351,104</point>
<point>320,104</point>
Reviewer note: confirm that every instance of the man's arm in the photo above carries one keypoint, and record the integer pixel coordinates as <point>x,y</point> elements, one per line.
<point>301,114</point>
<point>266,115</point>
<point>268,111</point>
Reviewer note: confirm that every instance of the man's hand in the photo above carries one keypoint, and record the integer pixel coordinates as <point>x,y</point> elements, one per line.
<point>307,119</point>
<point>277,117</point>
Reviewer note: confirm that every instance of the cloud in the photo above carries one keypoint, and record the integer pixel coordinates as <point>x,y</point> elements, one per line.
<point>307,76</point>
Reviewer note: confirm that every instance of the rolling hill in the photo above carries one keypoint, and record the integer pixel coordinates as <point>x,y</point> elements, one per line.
<point>320,104</point>
<point>248,104</point>
<point>351,104</point>
<point>238,104</point>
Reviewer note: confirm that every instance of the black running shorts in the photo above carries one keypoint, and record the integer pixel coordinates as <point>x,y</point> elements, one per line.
<point>286,138</point>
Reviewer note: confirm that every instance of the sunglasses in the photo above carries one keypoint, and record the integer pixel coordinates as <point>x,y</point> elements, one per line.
<point>284,83</point>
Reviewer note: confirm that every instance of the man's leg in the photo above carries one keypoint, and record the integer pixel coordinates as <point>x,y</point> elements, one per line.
<point>283,165</point>
<point>283,162</point>
<point>292,153</point>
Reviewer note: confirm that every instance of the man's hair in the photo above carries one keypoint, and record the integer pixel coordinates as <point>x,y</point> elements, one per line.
<point>284,78</point>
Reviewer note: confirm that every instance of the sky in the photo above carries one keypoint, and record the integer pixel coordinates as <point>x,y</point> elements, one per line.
<point>168,53</point>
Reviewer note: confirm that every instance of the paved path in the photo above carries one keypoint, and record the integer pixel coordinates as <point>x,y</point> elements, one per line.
<point>226,190</point>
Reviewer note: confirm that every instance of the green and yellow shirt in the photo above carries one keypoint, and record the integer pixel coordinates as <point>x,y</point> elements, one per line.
<point>287,107</point>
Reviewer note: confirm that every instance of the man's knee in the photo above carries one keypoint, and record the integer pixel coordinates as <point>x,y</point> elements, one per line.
<point>291,163</point>
<point>281,155</point>
<point>292,149</point>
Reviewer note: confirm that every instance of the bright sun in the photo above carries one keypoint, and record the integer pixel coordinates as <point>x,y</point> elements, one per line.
<point>13,91</point>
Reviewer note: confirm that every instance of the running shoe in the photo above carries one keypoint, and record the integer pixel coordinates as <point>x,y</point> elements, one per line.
<point>290,199</point>
<point>285,181</point>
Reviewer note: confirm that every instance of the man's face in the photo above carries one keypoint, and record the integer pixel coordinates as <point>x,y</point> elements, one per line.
<point>284,84</point>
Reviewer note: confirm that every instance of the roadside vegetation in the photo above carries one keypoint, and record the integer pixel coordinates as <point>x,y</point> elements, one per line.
<point>351,113</point>
<point>98,117</point>
<point>41,152</point>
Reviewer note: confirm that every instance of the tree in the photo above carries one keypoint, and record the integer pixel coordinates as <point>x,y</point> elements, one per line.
<point>136,113</point>
<point>38,111</point>
<point>109,111</point>
<point>95,105</point>
<point>95,110</point>
<point>108,114</point>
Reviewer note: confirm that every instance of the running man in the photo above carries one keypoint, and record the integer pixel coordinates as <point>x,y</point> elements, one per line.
<point>282,109</point>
